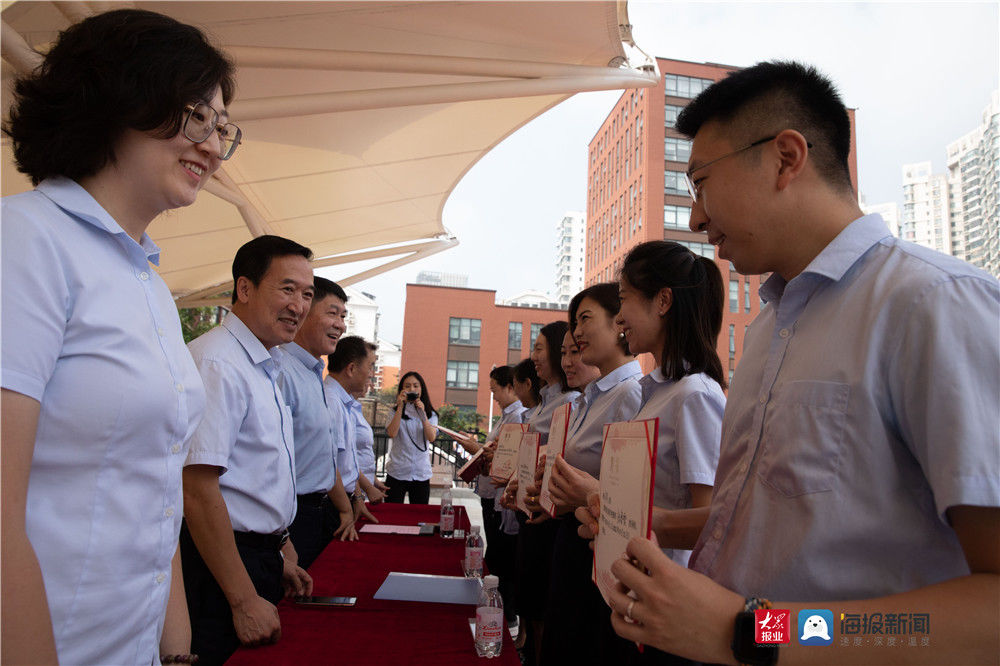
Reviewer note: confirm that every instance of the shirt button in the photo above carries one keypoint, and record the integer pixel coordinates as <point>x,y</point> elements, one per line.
<point>169,512</point>
<point>160,577</point>
<point>159,330</point>
<point>144,275</point>
<point>179,387</point>
<point>763,399</point>
<point>784,333</point>
<point>717,533</point>
<point>176,448</point>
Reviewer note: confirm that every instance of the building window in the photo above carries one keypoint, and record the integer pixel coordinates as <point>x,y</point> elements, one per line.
<point>464,331</point>
<point>676,217</point>
<point>734,300</point>
<point>732,343</point>
<point>462,375</point>
<point>684,86</point>
<point>514,335</point>
<point>535,330</point>
<point>746,296</point>
<point>701,249</point>
<point>670,112</point>
<point>676,150</point>
<point>673,183</point>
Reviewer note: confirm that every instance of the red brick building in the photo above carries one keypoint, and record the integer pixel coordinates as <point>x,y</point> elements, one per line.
<point>454,336</point>
<point>636,163</point>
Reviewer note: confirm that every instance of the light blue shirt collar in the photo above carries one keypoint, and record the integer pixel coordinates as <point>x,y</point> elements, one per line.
<point>72,198</point>
<point>838,256</point>
<point>251,344</point>
<point>340,392</point>
<point>296,350</point>
<point>612,379</point>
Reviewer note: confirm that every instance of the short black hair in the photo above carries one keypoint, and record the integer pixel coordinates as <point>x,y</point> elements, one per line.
<point>350,349</point>
<point>694,319</point>
<point>503,375</point>
<point>554,333</point>
<point>254,257</point>
<point>323,288</point>
<point>525,371</point>
<point>123,69</point>
<point>772,96</point>
<point>604,294</point>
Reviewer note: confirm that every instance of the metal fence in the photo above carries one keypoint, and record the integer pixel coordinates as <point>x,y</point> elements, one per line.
<point>444,451</point>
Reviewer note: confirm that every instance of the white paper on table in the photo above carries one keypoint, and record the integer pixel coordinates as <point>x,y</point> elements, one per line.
<point>628,464</point>
<point>372,528</point>
<point>430,588</point>
<point>556,446</point>
<point>527,461</point>
<point>505,457</point>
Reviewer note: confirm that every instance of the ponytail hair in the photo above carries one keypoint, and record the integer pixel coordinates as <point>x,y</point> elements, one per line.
<point>694,320</point>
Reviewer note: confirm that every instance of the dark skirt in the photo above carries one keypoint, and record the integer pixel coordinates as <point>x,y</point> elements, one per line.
<point>533,558</point>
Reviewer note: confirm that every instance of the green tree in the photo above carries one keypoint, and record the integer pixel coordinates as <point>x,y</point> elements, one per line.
<point>462,419</point>
<point>195,321</point>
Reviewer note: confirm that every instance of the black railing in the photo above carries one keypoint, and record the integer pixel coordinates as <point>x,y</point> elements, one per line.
<point>444,451</point>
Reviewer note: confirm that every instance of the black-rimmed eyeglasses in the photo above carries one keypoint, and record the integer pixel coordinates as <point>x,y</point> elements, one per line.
<point>201,120</point>
<point>693,191</point>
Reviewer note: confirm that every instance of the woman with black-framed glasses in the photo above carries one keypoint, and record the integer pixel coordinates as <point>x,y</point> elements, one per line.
<point>412,429</point>
<point>124,119</point>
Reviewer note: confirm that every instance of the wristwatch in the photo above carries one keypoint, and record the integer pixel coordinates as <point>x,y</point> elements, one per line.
<point>745,649</point>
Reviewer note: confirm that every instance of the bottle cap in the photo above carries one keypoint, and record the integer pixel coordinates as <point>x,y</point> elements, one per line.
<point>490,581</point>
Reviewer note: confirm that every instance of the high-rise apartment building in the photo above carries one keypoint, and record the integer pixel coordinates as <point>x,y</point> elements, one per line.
<point>569,256</point>
<point>973,163</point>
<point>636,166</point>
<point>926,208</point>
<point>889,212</point>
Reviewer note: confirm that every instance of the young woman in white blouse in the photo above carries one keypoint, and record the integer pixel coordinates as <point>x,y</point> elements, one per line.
<point>408,470</point>
<point>671,307</point>
<point>577,622</point>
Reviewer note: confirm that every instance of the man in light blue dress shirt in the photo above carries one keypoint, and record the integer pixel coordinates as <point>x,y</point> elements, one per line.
<point>324,510</point>
<point>239,481</point>
<point>860,442</point>
<point>350,369</point>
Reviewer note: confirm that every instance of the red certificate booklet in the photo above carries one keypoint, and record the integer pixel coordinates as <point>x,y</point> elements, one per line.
<point>628,464</point>
<point>556,446</point>
<point>505,457</point>
<point>472,468</point>
<point>527,461</point>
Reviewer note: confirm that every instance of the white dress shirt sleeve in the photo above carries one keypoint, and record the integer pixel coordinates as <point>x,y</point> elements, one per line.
<point>225,409</point>
<point>944,382</point>
<point>36,301</point>
<point>699,434</point>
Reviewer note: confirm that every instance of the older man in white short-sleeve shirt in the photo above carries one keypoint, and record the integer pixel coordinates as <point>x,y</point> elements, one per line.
<point>239,482</point>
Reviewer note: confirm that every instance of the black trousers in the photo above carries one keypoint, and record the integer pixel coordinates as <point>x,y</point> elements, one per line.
<point>213,636</point>
<point>316,519</point>
<point>419,491</point>
<point>577,621</point>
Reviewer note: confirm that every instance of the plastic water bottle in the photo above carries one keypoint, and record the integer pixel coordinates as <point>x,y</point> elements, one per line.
<point>489,619</point>
<point>447,516</point>
<point>474,554</point>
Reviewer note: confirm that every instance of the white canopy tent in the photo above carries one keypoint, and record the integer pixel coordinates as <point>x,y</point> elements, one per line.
<point>359,118</point>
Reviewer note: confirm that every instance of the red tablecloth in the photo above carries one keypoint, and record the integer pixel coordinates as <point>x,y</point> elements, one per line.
<point>393,632</point>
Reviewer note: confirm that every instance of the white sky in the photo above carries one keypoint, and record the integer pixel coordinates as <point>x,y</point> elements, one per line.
<point>919,75</point>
